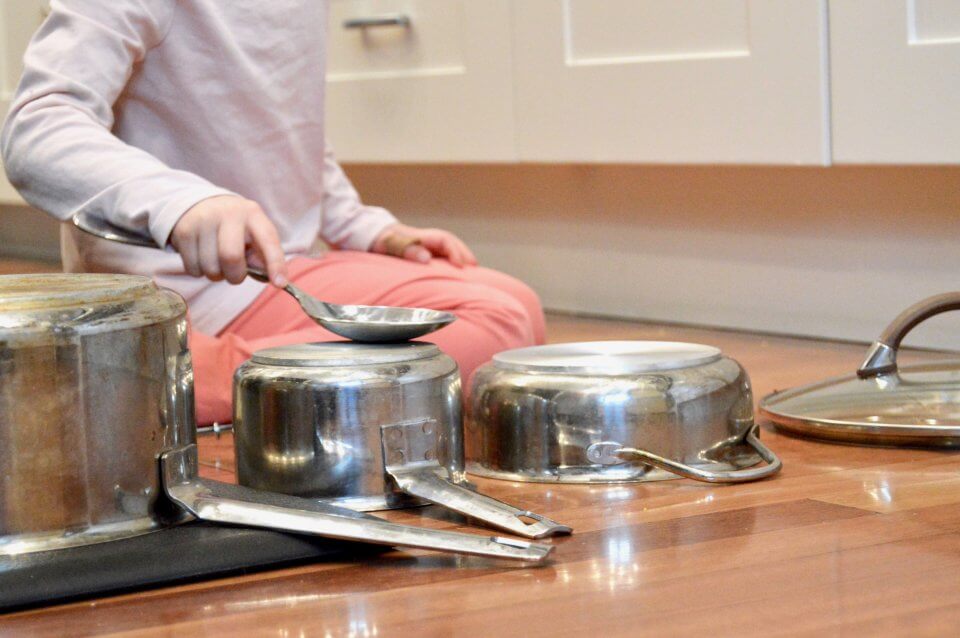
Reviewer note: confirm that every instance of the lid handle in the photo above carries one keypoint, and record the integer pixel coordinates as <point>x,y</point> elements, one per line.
<point>882,355</point>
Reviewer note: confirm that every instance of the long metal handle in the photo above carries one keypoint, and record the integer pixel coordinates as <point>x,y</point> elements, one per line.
<point>387,20</point>
<point>99,227</point>
<point>236,505</point>
<point>426,483</point>
<point>882,356</point>
<point>410,459</point>
<point>612,453</point>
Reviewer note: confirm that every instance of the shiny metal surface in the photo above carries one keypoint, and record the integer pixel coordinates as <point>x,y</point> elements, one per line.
<point>606,358</point>
<point>366,427</point>
<point>371,324</point>
<point>883,403</point>
<point>388,20</point>
<point>92,369</point>
<point>310,425</point>
<point>96,384</point>
<point>233,504</point>
<point>344,354</point>
<point>612,453</point>
<point>409,452</point>
<point>538,425</point>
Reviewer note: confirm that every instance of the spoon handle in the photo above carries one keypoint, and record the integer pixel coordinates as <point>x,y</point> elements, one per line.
<point>258,274</point>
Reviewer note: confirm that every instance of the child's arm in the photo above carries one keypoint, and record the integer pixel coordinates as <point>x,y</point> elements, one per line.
<point>57,144</point>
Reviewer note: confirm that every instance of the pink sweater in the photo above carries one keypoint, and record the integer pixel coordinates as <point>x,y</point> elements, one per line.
<point>138,109</point>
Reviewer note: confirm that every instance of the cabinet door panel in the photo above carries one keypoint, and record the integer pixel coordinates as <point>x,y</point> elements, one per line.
<point>671,81</point>
<point>18,20</point>
<point>437,90</point>
<point>895,68</point>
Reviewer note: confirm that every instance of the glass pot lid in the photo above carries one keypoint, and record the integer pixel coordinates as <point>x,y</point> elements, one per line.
<point>882,404</point>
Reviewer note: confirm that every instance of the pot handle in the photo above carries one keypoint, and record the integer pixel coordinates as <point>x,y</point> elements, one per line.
<point>882,355</point>
<point>612,453</point>
<point>236,505</point>
<point>427,483</point>
<point>410,459</point>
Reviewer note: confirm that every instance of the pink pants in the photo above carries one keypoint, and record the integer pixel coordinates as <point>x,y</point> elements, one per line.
<point>495,312</point>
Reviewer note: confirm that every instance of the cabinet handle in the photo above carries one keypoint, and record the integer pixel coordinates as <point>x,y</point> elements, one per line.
<point>391,20</point>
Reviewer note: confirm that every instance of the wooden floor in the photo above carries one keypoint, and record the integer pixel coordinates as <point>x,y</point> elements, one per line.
<point>845,541</point>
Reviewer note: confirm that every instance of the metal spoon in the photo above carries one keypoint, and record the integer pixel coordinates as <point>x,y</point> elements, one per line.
<point>369,324</point>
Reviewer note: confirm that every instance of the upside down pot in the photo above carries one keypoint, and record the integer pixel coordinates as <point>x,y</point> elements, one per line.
<point>610,411</point>
<point>98,432</point>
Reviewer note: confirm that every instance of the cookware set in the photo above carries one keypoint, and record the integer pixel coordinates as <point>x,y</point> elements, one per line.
<point>99,436</point>
<point>368,427</point>
<point>97,425</point>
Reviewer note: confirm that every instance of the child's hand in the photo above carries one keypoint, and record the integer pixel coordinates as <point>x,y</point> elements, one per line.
<point>213,238</point>
<point>418,244</point>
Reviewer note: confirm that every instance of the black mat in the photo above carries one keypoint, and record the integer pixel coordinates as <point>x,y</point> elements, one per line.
<point>188,552</point>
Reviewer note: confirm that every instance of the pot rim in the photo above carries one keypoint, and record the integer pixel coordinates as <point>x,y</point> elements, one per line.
<point>329,354</point>
<point>607,358</point>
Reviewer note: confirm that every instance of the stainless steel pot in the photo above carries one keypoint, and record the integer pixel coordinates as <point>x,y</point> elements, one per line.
<point>97,428</point>
<point>364,426</point>
<point>612,411</point>
<point>78,455</point>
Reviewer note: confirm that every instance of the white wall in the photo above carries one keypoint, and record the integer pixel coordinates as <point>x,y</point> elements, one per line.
<point>25,232</point>
<point>834,252</point>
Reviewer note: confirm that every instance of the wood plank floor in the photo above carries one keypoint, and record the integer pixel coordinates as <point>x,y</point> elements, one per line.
<point>845,541</point>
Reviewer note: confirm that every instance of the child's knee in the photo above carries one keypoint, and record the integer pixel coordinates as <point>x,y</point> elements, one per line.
<point>501,316</point>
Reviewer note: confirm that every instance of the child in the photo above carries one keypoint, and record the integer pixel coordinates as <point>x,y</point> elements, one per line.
<point>200,122</point>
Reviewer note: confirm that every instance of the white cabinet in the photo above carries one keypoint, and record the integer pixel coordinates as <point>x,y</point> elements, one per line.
<point>671,81</point>
<point>895,68</point>
<point>438,86</point>
<point>18,20</point>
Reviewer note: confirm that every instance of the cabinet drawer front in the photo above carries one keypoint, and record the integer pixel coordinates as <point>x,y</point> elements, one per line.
<point>895,70</point>
<point>420,80</point>
<point>672,81</point>
<point>395,39</point>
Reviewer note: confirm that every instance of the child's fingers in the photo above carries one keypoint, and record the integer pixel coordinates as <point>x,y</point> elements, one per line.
<point>445,244</point>
<point>469,259</point>
<point>231,244</point>
<point>416,252</point>
<point>264,237</point>
<point>187,247</point>
<point>208,251</point>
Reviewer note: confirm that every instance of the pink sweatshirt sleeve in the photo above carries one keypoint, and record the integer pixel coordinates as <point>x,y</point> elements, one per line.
<point>347,223</point>
<point>57,144</point>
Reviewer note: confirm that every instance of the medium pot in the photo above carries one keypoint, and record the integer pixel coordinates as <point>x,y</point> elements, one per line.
<point>364,426</point>
<point>612,411</point>
<point>97,428</point>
